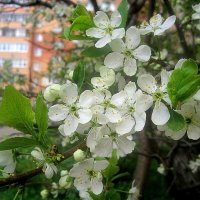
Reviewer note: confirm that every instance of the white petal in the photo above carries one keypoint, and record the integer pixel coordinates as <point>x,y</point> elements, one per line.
<point>130,66</point>
<point>125,146</point>
<point>98,82</point>
<point>113,115</point>
<point>142,53</point>
<point>146,30</point>
<point>103,41</point>
<point>147,83</point>
<point>130,89</point>
<point>118,33</point>
<point>164,80</point>
<point>175,135</point>
<point>156,20</point>
<point>100,165</point>
<point>196,8</point>
<point>85,115</point>
<point>197,96</point>
<point>37,154</point>
<point>169,22</point>
<point>115,19</point>
<point>108,75</point>
<point>70,125</point>
<point>160,114</point>
<point>196,16</point>
<point>69,93</point>
<point>180,63</point>
<point>143,102</point>
<point>86,99</point>
<point>114,60</point>
<point>140,120</point>
<point>187,110</point>
<point>58,112</point>
<point>104,147</point>
<point>117,45</point>
<point>95,32</point>
<point>125,126</point>
<point>48,171</point>
<point>193,132</point>
<point>132,37</point>
<point>101,20</point>
<point>118,99</point>
<point>96,185</point>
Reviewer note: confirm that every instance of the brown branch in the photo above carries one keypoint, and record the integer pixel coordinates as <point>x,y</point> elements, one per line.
<point>22,178</point>
<point>181,35</point>
<point>95,5</point>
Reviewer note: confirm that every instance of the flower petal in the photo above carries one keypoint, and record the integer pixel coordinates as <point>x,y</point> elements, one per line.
<point>103,41</point>
<point>86,99</point>
<point>118,99</point>
<point>104,147</point>
<point>114,60</point>
<point>96,185</point>
<point>58,112</point>
<point>130,66</point>
<point>69,93</point>
<point>70,125</point>
<point>100,165</point>
<point>113,115</point>
<point>95,32</point>
<point>117,45</point>
<point>132,37</point>
<point>115,19</point>
<point>85,115</point>
<point>193,132</point>
<point>142,53</point>
<point>101,20</point>
<point>160,114</point>
<point>147,83</point>
<point>118,33</point>
<point>125,126</point>
<point>140,119</point>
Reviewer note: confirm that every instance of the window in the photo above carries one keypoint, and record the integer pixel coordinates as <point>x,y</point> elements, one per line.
<point>13,47</point>
<point>36,67</point>
<point>20,32</point>
<point>16,62</point>
<point>39,37</point>
<point>13,17</point>
<point>37,52</point>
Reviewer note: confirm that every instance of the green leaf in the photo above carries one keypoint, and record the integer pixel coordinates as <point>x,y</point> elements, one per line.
<point>81,23</point>
<point>96,52</point>
<point>112,194</point>
<point>112,168</point>
<point>80,10</point>
<point>123,10</point>
<point>176,121</point>
<point>41,115</point>
<point>79,74</point>
<point>16,142</point>
<point>16,111</point>
<point>184,82</point>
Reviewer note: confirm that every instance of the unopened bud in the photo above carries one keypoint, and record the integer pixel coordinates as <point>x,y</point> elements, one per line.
<point>71,74</point>
<point>79,155</point>
<point>51,93</point>
<point>44,193</point>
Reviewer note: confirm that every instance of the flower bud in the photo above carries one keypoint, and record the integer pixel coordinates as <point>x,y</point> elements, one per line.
<point>44,193</point>
<point>51,93</point>
<point>71,74</point>
<point>79,155</point>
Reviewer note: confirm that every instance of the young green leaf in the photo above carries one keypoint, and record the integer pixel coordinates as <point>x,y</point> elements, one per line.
<point>41,115</point>
<point>176,121</point>
<point>96,52</point>
<point>81,23</point>
<point>80,10</point>
<point>16,111</point>
<point>123,10</point>
<point>16,142</point>
<point>79,74</point>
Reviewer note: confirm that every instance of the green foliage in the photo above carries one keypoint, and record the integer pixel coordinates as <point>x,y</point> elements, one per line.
<point>16,111</point>
<point>123,9</point>
<point>81,21</point>
<point>184,82</point>
<point>176,121</point>
<point>96,52</point>
<point>112,168</point>
<point>41,115</point>
<point>16,142</point>
<point>79,74</point>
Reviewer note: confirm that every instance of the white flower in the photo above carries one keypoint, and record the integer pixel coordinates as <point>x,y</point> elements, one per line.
<point>106,80</point>
<point>191,114</point>
<point>44,193</point>
<point>161,169</point>
<point>106,29</point>
<point>48,168</point>
<point>126,54</point>
<point>7,161</point>
<point>106,106</point>
<point>133,110</point>
<point>51,93</point>
<point>196,8</point>
<point>194,165</point>
<point>79,155</point>
<point>65,179</point>
<point>157,26</point>
<point>111,140</point>
<point>148,84</point>
<point>54,190</point>
<point>74,110</point>
<point>87,175</point>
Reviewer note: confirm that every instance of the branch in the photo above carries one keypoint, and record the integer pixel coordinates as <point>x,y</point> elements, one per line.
<point>95,5</point>
<point>27,175</point>
<point>179,30</point>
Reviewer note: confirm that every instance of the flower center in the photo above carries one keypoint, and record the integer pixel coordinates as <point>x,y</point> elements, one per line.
<point>158,95</point>
<point>109,30</point>
<point>131,109</point>
<point>92,173</point>
<point>127,53</point>
<point>188,120</point>
<point>73,108</point>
